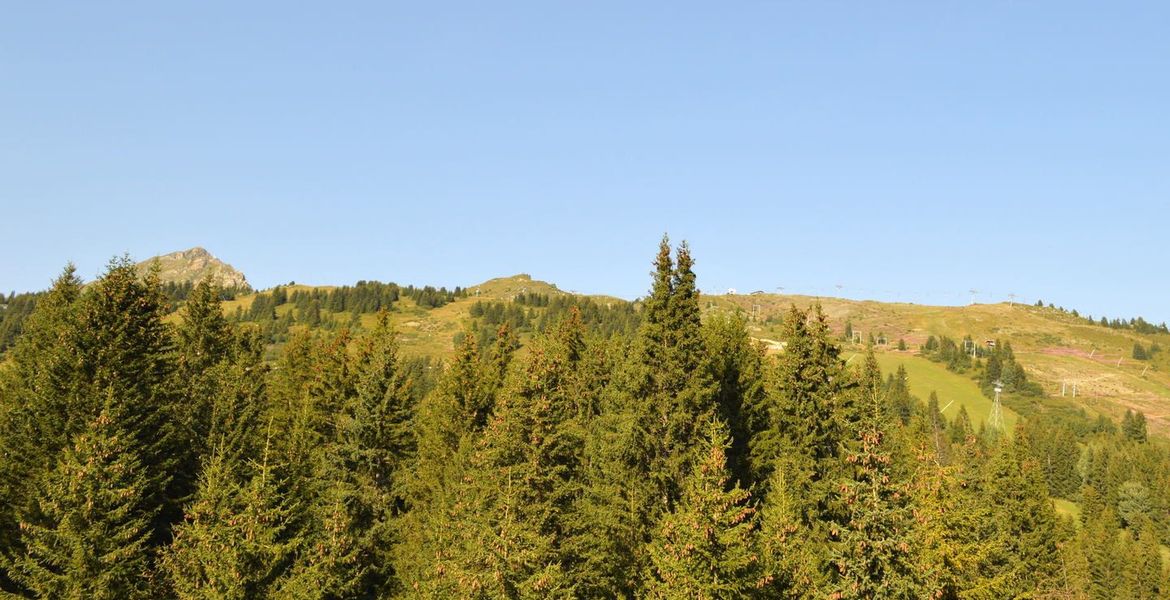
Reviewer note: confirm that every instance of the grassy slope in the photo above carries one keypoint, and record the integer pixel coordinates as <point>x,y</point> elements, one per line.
<point>954,390</point>
<point>1053,346</point>
<point>430,332</point>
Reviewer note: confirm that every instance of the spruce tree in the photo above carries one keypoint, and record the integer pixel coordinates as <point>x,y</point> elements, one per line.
<point>204,337</point>
<point>667,383</point>
<point>737,364</point>
<point>961,429</point>
<point>705,545</point>
<point>872,552</point>
<point>204,344</point>
<point>1021,550</point>
<point>88,535</point>
<point>1101,543</point>
<point>35,391</point>
<point>528,470</point>
<point>104,351</point>
<point>1143,571</point>
<point>129,356</point>
<point>792,553</point>
<point>431,560</point>
<point>375,443</point>
<point>235,542</point>
<point>643,443</point>
<point>804,417</point>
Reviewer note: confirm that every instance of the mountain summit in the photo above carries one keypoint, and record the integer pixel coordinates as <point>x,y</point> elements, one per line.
<point>193,265</point>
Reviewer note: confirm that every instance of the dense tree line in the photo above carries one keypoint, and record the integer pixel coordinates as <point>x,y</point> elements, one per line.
<point>13,310</point>
<point>993,364</point>
<point>1135,324</point>
<point>177,292</point>
<point>144,459</point>
<point>957,356</point>
<point>1002,369</point>
<point>544,312</point>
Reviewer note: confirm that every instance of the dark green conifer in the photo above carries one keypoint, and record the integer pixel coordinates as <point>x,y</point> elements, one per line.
<point>88,535</point>
<point>35,391</point>
<point>236,542</point>
<point>803,418</point>
<point>705,545</point>
<point>872,552</point>
<point>737,364</point>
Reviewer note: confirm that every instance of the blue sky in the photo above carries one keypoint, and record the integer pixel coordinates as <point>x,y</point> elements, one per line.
<point>900,150</point>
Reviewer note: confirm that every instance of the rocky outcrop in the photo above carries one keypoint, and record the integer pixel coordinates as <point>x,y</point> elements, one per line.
<point>192,266</point>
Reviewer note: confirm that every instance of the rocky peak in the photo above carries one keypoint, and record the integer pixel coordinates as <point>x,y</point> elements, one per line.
<point>192,265</point>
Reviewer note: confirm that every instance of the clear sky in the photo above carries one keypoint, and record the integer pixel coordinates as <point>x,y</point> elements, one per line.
<point>900,150</point>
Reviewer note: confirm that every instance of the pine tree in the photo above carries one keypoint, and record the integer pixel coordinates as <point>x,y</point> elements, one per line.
<point>34,401</point>
<point>448,425</point>
<point>1020,554</point>
<point>88,536</point>
<point>668,384</point>
<point>235,542</point>
<point>374,446</point>
<point>872,553</point>
<point>737,364</point>
<point>792,553</point>
<point>705,546</point>
<point>805,415</point>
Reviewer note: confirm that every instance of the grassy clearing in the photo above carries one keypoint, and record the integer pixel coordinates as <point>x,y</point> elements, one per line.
<point>1068,508</point>
<point>954,390</point>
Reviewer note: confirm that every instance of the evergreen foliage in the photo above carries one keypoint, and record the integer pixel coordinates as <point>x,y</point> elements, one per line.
<point>705,547</point>
<point>88,534</point>
<point>872,551</point>
<point>565,450</point>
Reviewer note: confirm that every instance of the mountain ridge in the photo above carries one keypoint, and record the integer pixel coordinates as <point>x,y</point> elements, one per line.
<point>191,266</point>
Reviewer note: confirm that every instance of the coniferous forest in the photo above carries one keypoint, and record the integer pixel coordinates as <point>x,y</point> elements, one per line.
<point>644,454</point>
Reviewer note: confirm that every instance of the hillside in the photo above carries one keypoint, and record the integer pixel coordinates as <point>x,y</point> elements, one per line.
<point>192,265</point>
<point>1056,348</point>
<point>697,417</point>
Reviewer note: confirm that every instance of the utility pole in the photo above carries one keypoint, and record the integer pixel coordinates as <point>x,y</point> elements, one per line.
<point>1011,299</point>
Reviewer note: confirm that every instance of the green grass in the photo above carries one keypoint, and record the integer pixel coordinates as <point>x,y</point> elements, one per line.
<point>954,390</point>
<point>1067,508</point>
